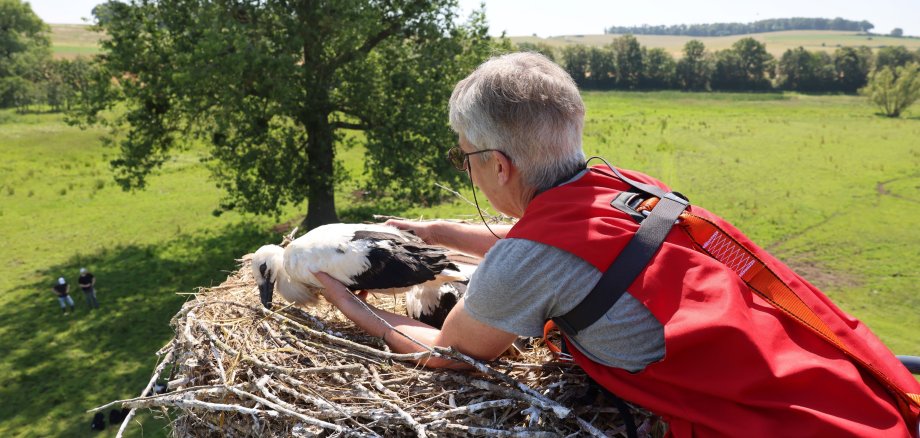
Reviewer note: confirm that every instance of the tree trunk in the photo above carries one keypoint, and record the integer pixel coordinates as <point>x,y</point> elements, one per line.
<point>317,81</point>
<point>320,158</point>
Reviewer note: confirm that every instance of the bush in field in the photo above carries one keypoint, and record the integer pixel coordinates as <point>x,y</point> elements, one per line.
<point>894,89</point>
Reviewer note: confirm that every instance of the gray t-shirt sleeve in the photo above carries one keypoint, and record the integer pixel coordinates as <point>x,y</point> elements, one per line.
<point>521,284</point>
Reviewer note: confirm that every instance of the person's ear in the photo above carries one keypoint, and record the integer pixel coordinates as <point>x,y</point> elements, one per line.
<point>504,168</point>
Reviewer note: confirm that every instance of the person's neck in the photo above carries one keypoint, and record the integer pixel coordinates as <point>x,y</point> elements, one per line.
<point>520,203</point>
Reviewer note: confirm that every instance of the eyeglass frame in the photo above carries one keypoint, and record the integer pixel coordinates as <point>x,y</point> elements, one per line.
<point>464,165</point>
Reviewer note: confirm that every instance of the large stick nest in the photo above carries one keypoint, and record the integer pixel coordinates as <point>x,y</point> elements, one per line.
<point>237,369</point>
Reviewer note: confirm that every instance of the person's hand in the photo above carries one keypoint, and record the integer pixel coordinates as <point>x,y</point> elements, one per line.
<point>334,291</point>
<point>424,230</point>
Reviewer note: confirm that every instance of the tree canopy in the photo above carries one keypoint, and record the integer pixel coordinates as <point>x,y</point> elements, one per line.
<point>24,49</point>
<point>273,86</point>
<point>694,70</point>
<point>743,67</point>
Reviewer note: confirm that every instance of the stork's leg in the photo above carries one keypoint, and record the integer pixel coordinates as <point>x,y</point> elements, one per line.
<point>362,295</point>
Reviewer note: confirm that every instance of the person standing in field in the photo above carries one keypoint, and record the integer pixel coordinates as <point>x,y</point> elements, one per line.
<point>691,336</point>
<point>87,282</point>
<point>62,289</point>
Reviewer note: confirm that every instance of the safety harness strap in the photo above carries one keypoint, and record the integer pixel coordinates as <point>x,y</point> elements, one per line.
<point>628,265</point>
<point>663,210</point>
<point>767,284</point>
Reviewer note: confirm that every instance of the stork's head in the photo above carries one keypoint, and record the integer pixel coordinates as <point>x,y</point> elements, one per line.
<point>267,266</point>
<point>268,270</point>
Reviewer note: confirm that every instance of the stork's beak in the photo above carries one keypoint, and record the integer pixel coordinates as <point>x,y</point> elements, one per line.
<point>265,293</point>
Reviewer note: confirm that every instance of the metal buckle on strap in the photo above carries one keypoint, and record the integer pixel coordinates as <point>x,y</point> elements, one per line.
<point>558,351</point>
<point>628,202</point>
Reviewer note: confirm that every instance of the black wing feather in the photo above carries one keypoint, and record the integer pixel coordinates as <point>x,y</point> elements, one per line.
<point>406,264</point>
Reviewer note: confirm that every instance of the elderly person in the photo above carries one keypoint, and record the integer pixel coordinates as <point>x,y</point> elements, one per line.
<point>688,339</point>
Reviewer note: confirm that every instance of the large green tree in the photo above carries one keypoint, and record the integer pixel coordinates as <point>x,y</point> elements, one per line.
<point>24,48</point>
<point>755,64</point>
<point>660,68</point>
<point>629,63</point>
<point>851,66</point>
<point>602,68</point>
<point>743,67</point>
<point>694,70</point>
<point>801,70</point>
<point>273,86</point>
<point>576,61</point>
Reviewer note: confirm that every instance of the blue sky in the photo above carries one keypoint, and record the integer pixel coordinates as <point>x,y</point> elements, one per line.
<point>568,17</point>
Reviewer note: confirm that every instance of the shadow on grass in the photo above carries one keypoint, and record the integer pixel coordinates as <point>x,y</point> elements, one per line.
<point>64,365</point>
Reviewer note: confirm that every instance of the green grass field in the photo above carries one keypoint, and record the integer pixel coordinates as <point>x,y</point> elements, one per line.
<point>821,181</point>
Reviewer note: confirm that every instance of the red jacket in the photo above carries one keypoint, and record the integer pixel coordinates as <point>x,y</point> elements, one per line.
<point>734,365</point>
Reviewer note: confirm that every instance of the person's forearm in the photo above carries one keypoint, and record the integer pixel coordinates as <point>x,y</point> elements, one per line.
<point>377,322</point>
<point>472,239</point>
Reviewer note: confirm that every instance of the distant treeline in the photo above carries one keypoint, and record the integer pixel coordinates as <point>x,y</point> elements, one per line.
<point>747,66</point>
<point>723,29</point>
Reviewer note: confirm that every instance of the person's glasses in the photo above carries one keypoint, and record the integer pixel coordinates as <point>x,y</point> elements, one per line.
<point>461,160</point>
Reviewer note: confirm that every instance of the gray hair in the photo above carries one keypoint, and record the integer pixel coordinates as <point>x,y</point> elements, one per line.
<point>527,107</point>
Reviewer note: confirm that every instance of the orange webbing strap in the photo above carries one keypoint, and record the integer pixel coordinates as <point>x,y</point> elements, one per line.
<point>557,352</point>
<point>762,280</point>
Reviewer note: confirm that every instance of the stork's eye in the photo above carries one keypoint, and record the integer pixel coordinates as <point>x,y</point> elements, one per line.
<point>263,268</point>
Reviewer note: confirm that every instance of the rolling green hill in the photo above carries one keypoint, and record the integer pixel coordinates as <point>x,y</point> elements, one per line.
<point>72,40</point>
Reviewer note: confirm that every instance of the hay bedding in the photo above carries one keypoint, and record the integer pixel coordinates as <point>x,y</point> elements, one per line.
<point>237,369</point>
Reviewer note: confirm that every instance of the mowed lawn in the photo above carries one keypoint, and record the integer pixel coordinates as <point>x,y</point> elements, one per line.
<point>820,180</point>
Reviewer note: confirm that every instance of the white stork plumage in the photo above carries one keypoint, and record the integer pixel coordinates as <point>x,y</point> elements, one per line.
<point>376,258</point>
